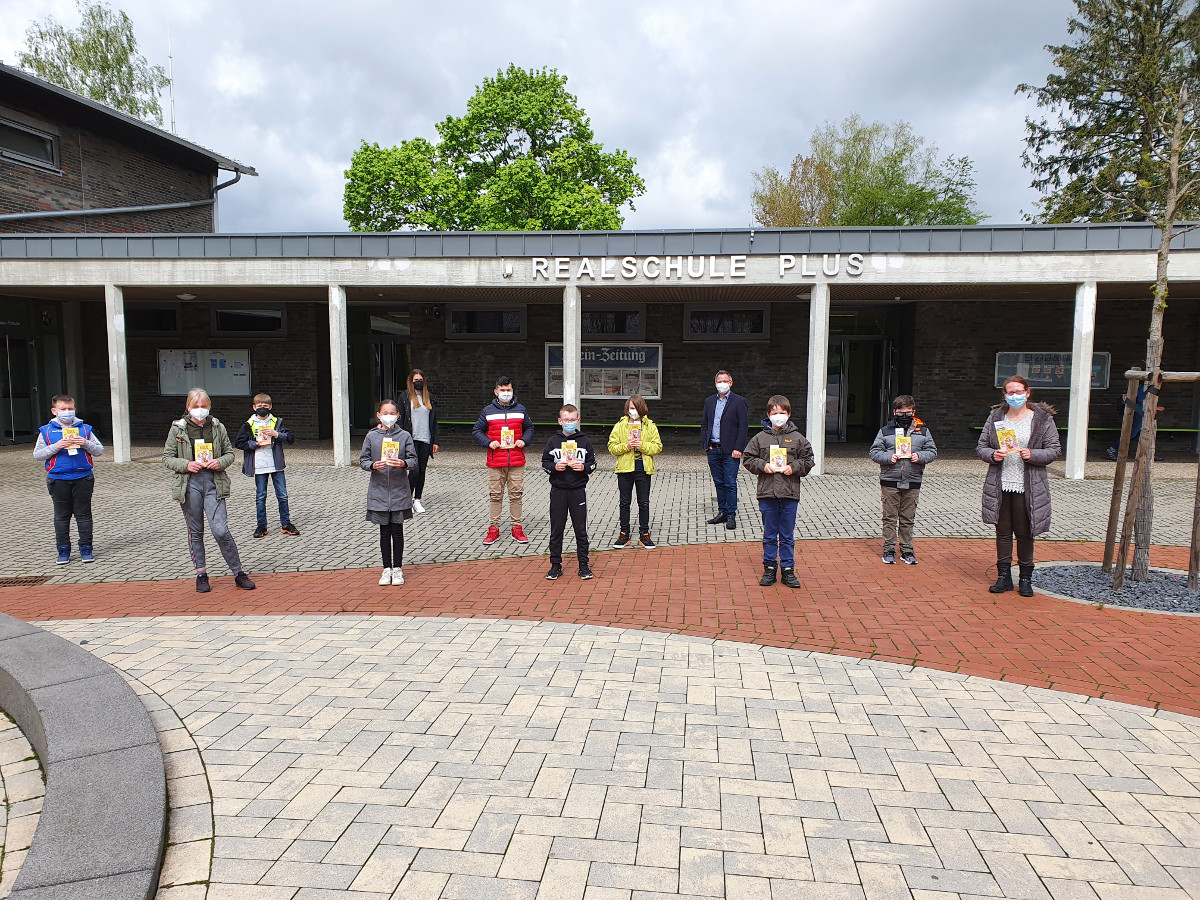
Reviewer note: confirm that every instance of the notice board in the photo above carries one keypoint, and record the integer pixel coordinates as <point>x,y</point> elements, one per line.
<point>223,373</point>
<point>609,371</point>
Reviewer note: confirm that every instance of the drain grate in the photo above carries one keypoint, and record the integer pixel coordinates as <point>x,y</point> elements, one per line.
<point>24,581</point>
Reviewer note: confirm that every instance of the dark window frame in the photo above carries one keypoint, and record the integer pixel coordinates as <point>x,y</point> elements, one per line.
<point>149,334</point>
<point>279,334</point>
<point>520,308</point>
<point>594,336</point>
<point>690,308</point>
<point>21,158</point>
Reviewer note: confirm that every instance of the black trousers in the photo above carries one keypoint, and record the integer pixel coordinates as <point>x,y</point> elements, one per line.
<point>564,502</point>
<point>72,498</point>
<point>626,482</point>
<point>1014,519</point>
<point>391,544</point>
<point>416,480</point>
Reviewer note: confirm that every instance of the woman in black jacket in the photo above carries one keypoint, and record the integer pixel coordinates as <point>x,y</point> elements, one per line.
<point>418,416</point>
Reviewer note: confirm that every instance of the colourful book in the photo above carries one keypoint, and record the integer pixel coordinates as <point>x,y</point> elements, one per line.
<point>570,450</point>
<point>391,450</point>
<point>508,438</point>
<point>903,445</point>
<point>635,432</point>
<point>204,451</point>
<point>71,433</point>
<point>1007,438</point>
<point>260,433</point>
<point>778,457</point>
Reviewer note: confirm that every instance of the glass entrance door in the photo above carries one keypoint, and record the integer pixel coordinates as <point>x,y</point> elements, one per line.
<point>17,390</point>
<point>861,379</point>
<point>379,367</point>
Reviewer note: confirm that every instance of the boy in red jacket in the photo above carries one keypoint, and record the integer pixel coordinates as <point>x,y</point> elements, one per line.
<point>504,428</point>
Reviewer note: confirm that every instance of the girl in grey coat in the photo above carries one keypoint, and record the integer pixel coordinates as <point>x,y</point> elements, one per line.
<point>389,499</point>
<point>1016,494</point>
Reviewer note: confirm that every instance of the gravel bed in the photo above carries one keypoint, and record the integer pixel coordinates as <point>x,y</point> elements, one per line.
<point>1164,592</point>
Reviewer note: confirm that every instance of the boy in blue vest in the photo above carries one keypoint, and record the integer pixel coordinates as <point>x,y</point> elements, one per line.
<point>67,446</point>
<point>262,437</point>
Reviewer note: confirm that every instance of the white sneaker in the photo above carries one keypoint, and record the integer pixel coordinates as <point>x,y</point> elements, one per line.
<point>386,577</point>
<point>418,506</point>
<point>397,576</point>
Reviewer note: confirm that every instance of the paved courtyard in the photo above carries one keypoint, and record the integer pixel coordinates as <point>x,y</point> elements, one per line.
<point>380,757</point>
<point>140,532</point>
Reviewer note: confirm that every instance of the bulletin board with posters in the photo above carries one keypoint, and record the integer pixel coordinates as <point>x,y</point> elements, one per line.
<point>223,373</point>
<point>1049,370</point>
<point>609,371</point>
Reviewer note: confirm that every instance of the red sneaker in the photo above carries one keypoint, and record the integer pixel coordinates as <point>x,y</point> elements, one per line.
<point>518,534</point>
<point>493,535</point>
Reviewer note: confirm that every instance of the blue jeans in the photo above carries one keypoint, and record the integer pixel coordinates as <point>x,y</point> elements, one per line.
<point>779,531</point>
<point>260,498</point>
<point>724,470</point>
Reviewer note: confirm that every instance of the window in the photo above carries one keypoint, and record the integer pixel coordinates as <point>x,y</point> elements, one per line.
<point>141,321</point>
<point>616,321</point>
<point>466,323</point>
<point>257,322</point>
<point>731,323</point>
<point>28,145</point>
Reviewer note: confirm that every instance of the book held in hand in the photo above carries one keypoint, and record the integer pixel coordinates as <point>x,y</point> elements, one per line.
<point>903,445</point>
<point>508,438</point>
<point>570,450</point>
<point>390,451</point>
<point>71,433</point>
<point>1007,438</point>
<point>778,457</point>
<point>204,451</point>
<point>260,433</point>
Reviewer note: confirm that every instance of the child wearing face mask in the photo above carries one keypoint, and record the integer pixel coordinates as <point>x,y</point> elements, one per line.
<point>389,455</point>
<point>261,438</point>
<point>198,451</point>
<point>67,446</point>
<point>634,441</point>
<point>504,428</point>
<point>780,456</point>
<point>569,460</point>
<point>901,472</point>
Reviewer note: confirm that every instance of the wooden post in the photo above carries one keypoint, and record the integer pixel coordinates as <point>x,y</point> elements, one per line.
<point>1143,459</point>
<point>1114,505</point>
<point>1194,556</point>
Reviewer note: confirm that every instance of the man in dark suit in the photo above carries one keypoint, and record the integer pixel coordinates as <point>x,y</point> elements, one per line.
<point>726,421</point>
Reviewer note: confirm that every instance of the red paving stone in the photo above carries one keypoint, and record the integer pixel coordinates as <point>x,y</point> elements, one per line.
<point>938,614</point>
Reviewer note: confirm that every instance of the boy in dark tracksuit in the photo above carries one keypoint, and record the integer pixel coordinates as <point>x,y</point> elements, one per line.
<point>569,473</point>
<point>262,437</point>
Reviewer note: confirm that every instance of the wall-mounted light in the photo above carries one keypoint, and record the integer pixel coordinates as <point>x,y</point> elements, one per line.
<point>186,296</point>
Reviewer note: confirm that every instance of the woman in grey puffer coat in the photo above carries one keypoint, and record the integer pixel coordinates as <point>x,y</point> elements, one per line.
<point>1016,494</point>
<point>389,498</point>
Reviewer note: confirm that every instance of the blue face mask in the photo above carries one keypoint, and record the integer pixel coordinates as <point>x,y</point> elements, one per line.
<point>67,418</point>
<point>570,427</point>
<point>1015,401</point>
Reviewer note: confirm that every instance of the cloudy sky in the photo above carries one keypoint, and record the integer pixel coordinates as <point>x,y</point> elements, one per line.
<point>702,93</point>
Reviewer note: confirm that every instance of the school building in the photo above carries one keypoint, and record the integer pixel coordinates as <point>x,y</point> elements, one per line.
<point>115,288</point>
<point>839,320</point>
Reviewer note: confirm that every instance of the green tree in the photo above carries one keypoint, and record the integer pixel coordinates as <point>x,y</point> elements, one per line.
<point>1124,143</point>
<point>867,173</point>
<point>99,60</point>
<point>522,158</point>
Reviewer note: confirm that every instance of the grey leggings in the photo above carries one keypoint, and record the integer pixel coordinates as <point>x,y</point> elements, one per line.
<point>1014,519</point>
<point>200,501</point>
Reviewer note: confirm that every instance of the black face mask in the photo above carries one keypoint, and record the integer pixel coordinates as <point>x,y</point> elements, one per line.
<point>903,420</point>
<point>262,412</point>
<point>418,385</point>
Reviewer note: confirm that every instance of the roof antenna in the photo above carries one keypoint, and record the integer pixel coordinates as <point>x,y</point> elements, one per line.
<point>171,78</point>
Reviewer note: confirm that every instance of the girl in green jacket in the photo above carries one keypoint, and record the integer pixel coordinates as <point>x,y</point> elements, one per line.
<point>635,442</point>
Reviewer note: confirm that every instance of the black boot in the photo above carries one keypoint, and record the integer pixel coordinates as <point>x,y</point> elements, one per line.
<point>1026,580</point>
<point>789,578</point>
<point>768,578</point>
<point>1003,580</point>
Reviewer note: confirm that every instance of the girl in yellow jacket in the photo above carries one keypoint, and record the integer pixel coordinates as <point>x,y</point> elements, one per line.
<point>635,442</point>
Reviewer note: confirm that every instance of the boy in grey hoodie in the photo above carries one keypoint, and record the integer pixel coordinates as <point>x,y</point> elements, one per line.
<point>901,473</point>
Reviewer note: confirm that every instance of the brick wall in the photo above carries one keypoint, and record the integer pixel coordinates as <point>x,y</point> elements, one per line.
<point>98,172</point>
<point>955,356</point>
<point>463,374</point>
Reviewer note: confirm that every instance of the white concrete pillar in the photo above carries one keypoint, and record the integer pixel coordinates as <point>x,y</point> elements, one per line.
<point>339,366</point>
<point>818,372</point>
<point>1082,343</point>
<point>118,371</point>
<point>572,345</point>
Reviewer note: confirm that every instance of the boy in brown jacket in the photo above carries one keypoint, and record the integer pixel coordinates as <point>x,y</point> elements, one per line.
<point>780,456</point>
